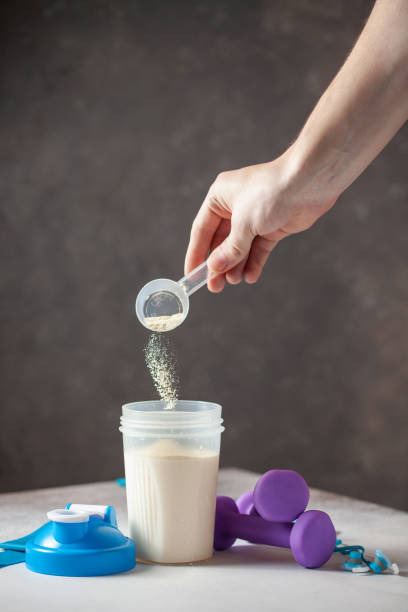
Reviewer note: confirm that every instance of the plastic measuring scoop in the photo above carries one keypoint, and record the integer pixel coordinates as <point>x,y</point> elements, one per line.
<point>163,297</point>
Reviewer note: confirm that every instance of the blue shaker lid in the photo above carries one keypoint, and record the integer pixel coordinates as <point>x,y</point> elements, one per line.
<point>80,540</point>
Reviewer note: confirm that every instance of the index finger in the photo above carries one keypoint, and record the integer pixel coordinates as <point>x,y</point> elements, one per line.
<point>202,232</point>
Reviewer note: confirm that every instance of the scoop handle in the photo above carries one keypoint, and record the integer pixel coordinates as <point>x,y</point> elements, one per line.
<point>195,279</point>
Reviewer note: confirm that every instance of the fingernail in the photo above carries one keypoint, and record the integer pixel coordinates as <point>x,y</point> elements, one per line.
<point>217,284</point>
<point>250,280</point>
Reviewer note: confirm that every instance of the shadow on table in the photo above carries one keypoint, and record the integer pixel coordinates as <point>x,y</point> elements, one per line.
<point>262,557</point>
<point>139,568</point>
<point>259,555</point>
<point>278,558</point>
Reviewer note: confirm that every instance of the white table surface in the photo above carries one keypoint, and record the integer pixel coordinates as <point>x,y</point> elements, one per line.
<point>244,578</point>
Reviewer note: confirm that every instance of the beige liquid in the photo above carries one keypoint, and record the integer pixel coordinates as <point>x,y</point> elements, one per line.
<point>171,495</point>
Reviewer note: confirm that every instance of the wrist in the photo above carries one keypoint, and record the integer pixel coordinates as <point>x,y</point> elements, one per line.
<point>313,174</point>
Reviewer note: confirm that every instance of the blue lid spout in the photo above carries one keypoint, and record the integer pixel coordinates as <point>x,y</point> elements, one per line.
<point>68,525</point>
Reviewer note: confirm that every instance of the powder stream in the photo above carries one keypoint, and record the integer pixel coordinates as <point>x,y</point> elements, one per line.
<point>162,365</point>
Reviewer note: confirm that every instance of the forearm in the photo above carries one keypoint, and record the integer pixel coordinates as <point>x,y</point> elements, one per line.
<point>361,110</point>
<point>246,212</point>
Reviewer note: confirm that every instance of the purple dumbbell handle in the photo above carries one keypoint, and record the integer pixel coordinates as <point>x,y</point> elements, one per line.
<point>258,531</point>
<point>245,503</point>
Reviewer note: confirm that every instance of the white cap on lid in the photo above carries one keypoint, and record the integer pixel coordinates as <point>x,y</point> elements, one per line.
<point>62,515</point>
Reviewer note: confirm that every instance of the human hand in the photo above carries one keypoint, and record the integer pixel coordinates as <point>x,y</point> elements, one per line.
<point>246,213</point>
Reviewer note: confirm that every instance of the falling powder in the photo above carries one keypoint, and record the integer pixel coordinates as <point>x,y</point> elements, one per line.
<point>161,363</point>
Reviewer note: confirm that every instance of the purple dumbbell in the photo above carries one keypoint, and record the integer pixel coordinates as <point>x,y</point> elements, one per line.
<point>279,495</point>
<point>312,537</point>
<point>245,504</point>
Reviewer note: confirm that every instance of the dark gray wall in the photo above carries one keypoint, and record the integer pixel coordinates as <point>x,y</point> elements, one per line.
<point>115,117</point>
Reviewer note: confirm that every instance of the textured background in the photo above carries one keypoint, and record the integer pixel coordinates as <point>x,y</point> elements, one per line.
<point>115,117</point>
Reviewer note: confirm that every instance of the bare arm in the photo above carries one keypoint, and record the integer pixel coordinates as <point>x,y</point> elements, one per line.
<point>364,106</point>
<point>248,211</point>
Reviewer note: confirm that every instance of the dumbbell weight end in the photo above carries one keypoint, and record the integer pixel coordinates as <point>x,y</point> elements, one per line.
<point>312,538</point>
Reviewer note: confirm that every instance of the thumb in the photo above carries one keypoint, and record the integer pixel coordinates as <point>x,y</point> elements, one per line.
<point>233,250</point>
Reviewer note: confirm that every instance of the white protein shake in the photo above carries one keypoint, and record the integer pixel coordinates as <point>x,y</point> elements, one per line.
<point>171,492</point>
